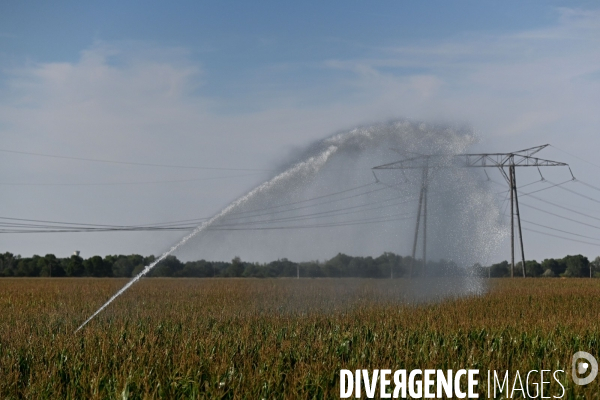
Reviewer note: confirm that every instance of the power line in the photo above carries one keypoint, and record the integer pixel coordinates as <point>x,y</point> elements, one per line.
<point>96,230</point>
<point>176,225</point>
<point>308,206</point>
<point>99,227</point>
<point>588,185</point>
<point>577,157</point>
<point>86,224</point>
<point>561,216</point>
<point>56,222</point>
<point>225,218</point>
<point>579,194</point>
<point>335,213</point>
<point>72,227</point>
<point>125,183</point>
<point>560,237</point>
<point>326,202</point>
<point>565,208</point>
<point>530,183</point>
<point>86,227</point>
<point>352,222</point>
<point>311,199</point>
<point>129,162</point>
<point>535,191</point>
<point>559,185</point>
<point>559,230</point>
<point>170,222</point>
<point>310,226</point>
<point>296,202</point>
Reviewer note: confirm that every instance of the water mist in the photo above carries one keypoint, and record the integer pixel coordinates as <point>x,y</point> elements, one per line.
<point>326,200</point>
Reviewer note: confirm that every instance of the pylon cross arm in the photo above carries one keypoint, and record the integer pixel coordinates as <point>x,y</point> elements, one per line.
<point>506,159</point>
<point>482,160</point>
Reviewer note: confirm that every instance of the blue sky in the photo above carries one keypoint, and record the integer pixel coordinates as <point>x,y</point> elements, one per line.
<point>241,45</point>
<point>238,43</point>
<point>244,84</point>
<point>298,31</point>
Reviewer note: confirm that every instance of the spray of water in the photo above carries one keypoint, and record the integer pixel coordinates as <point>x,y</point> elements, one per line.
<point>311,165</point>
<point>345,159</point>
<point>283,221</point>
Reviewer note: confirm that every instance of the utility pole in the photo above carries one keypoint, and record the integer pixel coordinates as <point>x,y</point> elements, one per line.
<point>520,158</point>
<point>514,181</point>
<point>512,223</point>
<point>425,187</point>
<point>414,249</point>
<point>419,162</point>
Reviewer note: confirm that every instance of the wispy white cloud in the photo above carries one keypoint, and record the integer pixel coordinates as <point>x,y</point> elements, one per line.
<point>516,83</point>
<point>130,101</point>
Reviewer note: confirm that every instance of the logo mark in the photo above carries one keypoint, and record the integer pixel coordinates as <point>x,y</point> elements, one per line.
<point>579,367</point>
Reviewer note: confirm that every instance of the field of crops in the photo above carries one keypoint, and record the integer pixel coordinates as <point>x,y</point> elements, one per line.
<point>250,338</point>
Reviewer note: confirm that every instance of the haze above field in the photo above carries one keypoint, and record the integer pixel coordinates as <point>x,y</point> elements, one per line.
<point>245,86</point>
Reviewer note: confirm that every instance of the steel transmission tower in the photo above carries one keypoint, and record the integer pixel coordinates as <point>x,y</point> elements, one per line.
<point>505,162</point>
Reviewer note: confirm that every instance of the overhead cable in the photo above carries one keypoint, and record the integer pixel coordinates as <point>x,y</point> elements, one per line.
<point>97,160</point>
<point>559,230</point>
<point>127,183</point>
<point>560,237</point>
<point>560,216</point>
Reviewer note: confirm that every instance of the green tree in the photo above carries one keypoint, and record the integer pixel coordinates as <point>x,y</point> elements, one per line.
<point>74,266</point>
<point>255,271</point>
<point>170,266</point>
<point>236,269</point>
<point>595,265</point>
<point>533,268</point>
<point>50,266</point>
<point>279,268</point>
<point>558,267</point>
<point>363,267</point>
<point>136,271</point>
<point>311,269</point>
<point>390,264</point>
<point>500,270</point>
<point>95,266</point>
<point>337,266</point>
<point>8,261</point>
<point>124,266</point>
<point>29,266</point>
<point>577,266</point>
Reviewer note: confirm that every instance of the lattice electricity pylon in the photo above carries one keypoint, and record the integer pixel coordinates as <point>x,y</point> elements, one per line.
<point>520,158</point>
<point>419,162</point>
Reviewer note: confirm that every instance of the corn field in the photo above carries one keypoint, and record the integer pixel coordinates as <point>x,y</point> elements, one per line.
<point>278,338</point>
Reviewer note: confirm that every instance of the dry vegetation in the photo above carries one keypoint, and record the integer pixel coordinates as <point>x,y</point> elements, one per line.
<point>246,338</point>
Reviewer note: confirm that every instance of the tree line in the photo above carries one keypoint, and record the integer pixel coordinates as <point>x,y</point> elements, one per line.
<point>572,266</point>
<point>385,266</point>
